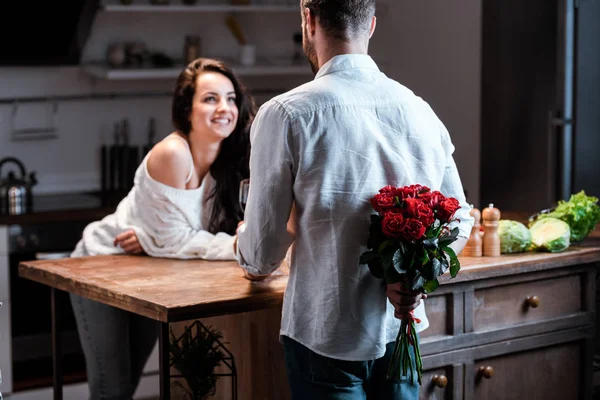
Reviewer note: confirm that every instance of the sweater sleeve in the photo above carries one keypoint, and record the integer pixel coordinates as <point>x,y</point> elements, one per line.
<point>164,230</point>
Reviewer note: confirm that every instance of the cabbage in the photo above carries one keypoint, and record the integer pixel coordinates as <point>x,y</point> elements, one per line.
<point>550,234</point>
<point>514,236</point>
<point>581,212</point>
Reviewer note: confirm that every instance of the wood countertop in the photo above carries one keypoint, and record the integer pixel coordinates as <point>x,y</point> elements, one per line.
<point>171,290</point>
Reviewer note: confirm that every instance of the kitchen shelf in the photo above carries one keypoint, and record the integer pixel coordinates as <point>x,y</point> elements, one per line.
<point>106,73</point>
<point>200,8</point>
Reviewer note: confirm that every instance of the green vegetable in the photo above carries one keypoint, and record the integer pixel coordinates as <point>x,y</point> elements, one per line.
<point>581,212</point>
<point>514,236</point>
<point>550,234</point>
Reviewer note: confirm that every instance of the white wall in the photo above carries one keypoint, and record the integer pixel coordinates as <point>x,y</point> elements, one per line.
<point>431,46</point>
<point>434,48</point>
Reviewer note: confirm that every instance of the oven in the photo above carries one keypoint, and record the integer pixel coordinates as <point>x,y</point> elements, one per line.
<point>25,317</point>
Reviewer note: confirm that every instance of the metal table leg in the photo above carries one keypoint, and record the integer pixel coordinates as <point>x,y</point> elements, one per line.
<point>56,343</point>
<point>164,361</point>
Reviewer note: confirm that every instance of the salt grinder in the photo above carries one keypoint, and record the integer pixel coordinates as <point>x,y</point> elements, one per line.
<point>474,246</point>
<point>491,239</point>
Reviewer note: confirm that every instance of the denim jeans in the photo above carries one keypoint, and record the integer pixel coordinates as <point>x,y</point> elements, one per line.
<point>315,377</point>
<point>116,344</point>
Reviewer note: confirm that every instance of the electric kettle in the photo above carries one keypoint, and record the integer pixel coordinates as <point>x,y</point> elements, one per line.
<point>15,193</point>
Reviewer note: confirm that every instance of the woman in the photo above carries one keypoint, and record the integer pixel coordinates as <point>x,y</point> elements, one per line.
<point>184,204</point>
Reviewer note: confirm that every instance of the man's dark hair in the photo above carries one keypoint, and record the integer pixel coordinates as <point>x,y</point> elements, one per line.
<point>342,19</point>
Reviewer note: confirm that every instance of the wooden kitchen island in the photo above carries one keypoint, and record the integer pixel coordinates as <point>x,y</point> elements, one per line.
<point>509,327</point>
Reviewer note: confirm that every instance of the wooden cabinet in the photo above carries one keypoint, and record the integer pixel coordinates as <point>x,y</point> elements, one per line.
<point>520,334</point>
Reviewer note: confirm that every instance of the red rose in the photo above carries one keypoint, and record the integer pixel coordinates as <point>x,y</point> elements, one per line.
<point>416,208</point>
<point>412,191</point>
<point>388,190</point>
<point>392,224</point>
<point>383,201</point>
<point>412,229</point>
<point>432,199</point>
<point>447,208</point>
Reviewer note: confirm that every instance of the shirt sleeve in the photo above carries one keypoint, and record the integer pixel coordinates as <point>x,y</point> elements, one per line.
<point>452,187</point>
<point>163,231</point>
<point>263,239</point>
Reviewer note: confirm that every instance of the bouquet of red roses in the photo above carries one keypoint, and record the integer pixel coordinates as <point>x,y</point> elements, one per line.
<point>409,240</point>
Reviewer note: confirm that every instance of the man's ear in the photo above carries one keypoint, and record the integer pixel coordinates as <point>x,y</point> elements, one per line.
<point>373,24</point>
<point>310,21</point>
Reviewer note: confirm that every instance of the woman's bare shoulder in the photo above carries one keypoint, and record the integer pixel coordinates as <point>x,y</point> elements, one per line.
<point>169,162</point>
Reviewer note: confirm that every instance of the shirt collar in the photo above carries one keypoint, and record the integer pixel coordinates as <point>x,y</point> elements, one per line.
<point>346,61</point>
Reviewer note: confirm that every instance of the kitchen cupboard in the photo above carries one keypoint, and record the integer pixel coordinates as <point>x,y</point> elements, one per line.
<point>511,327</point>
<point>527,335</point>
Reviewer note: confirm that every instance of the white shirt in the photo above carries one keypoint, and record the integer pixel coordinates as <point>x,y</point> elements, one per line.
<point>328,146</point>
<point>169,222</point>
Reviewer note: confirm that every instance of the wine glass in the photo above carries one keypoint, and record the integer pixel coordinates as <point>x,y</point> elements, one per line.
<point>243,194</point>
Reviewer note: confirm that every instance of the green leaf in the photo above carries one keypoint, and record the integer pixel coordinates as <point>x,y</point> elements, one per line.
<point>424,257</point>
<point>386,260</point>
<point>445,264</point>
<point>430,286</point>
<point>454,263</point>
<point>385,244</point>
<point>398,262</point>
<point>367,257</point>
<point>376,269</point>
<point>446,240</point>
<point>431,243</point>
<point>418,282</point>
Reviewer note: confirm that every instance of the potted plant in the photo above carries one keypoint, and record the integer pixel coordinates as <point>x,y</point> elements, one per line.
<point>195,355</point>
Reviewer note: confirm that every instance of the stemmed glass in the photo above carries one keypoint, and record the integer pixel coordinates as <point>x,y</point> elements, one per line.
<point>243,194</point>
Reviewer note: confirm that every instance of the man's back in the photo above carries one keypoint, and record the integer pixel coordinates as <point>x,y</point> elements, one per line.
<point>348,133</point>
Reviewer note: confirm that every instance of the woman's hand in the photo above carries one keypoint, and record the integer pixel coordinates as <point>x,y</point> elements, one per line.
<point>402,299</point>
<point>129,242</point>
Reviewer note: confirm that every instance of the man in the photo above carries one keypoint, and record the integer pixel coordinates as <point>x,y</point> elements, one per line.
<point>327,147</point>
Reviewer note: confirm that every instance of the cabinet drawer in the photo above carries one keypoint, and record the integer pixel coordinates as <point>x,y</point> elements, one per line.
<point>513,304</point>
<point>437,384</point>
<point>439,314</point>
<point>548,373</point>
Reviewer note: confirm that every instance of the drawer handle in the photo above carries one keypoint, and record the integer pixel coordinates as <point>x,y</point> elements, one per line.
<point>533,301</point>
<point>440,381</point>
<point>486,372</point>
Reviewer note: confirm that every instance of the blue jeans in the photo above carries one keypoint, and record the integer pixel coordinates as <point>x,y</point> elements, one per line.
<point>116,344</point>
<point>315,377</point>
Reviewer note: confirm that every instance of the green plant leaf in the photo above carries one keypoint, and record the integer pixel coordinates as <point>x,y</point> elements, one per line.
<point>376,269</point>
<point>432,269</point>
<point>431,286</point>
<point>385,244</point>
<point>398,262</point>
<point>424,257</point>
<point>454,263</point>
<point>418,282</point>
<point>367,257</point>
<point>431,243</point>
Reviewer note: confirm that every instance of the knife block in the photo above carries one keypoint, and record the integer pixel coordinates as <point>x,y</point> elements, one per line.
<point>118,166</point>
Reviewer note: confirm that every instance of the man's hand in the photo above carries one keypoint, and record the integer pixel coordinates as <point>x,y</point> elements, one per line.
<point>129,242</point>
<point>403,299</point>
<point>254,278</point>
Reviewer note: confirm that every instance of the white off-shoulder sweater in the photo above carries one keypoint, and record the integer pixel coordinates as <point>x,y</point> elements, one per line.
<point>168,222</point>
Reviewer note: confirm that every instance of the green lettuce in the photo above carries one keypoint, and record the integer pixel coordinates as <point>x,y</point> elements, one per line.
<point>581,212</point>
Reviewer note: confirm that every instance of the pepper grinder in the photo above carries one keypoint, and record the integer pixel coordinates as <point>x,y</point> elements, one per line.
<point>491,239</point>
<point>474,246</point>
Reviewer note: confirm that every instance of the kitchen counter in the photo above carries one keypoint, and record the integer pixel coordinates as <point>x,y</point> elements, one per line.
<point>169,290</point>
<point>485,317</point>
<point>49,208</point>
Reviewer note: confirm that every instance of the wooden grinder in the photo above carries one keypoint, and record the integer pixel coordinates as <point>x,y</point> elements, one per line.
<point>474,246</point>
<point>491,239</point>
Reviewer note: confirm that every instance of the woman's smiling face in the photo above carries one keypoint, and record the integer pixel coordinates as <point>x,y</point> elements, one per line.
<point>214,112</point>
